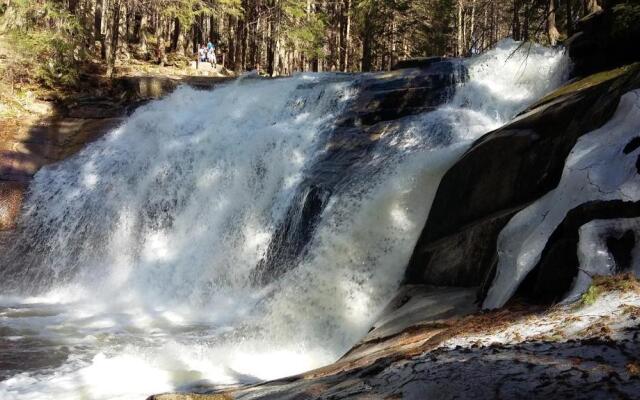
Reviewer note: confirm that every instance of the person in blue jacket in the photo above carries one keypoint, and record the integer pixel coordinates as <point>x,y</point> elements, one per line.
<point>211,54</point>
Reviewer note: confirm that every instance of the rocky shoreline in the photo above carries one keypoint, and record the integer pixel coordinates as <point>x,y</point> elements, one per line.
<point>573,352</point>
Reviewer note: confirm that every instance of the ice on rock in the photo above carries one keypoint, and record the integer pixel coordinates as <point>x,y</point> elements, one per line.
<point>594,255</point>
<point>598,168</point>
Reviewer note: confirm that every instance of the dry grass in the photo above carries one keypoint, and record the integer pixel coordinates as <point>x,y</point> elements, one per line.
<point>622,282</point>
<point>604,284</point>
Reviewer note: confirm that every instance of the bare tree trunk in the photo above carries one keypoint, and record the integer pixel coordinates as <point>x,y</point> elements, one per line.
<point>137,26</point>
<point>552,30</point>
<point>367,42</point>
<point>113,33</point>
<point>569,12</point>
<point>97,27</point>
<point>460,41</point>
<point>73,6</point>
<point>271,51</point>
<point>345,36</point>
<point>142,38</point>
<point>471,42</point>
<point>525,23</point>
<point>127,24</point>
<point>177,32</point>
<point>516,29</point>
<point>162,56</point>
<point>239,48</point>
<point>392,55</point>
<point>591,6</point>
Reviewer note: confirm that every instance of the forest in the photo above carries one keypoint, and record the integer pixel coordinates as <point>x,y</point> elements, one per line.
<point>274,37</point>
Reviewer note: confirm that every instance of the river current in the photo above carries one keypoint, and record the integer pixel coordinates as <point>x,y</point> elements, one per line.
<point>131,270</point>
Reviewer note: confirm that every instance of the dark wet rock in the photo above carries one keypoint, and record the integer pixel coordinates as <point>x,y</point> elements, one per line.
<point>606,39</point>
<point>94,108</point>
<point>150,86</point>
<point>503,172</point>
<point>396,94</point>
<point>622,248</point>
<point>290,240</point>
<point>420,62</point>
<point>577,370</point>
<point>632,145</point>
<point>382,97</point>
<point>553,275</point>
<point>153,87</point>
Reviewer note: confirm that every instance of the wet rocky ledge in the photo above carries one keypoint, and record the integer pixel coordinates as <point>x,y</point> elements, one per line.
<point>590,349</point>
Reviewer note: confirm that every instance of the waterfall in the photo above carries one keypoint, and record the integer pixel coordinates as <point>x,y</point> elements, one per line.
<point>133,270</point>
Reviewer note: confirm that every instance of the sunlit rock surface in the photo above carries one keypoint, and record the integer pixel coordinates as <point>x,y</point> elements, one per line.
<point>570,352</point>
<point>599,181</point>
<point>503,172</point>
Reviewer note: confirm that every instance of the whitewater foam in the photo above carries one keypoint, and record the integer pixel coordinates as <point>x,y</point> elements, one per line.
<point>139,250</point>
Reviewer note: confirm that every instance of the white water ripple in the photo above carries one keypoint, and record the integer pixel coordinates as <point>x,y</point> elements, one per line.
<point>142,246</point>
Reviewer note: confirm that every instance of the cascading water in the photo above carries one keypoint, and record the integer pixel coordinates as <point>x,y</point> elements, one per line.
<point>133,270</point>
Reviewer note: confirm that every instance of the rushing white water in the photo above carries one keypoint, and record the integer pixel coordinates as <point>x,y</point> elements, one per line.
<point>132,270</point>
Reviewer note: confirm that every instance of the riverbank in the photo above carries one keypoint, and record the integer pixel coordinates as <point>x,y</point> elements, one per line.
<point>40,126</point>
<point>584,350</point>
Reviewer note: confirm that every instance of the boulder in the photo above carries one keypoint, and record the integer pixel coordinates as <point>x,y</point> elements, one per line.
<point>503,172</point>
<point>606,39</point>
<point>419,62</point>
<point>558,265</point>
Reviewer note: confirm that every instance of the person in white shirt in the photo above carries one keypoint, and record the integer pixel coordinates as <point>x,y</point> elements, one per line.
<point>211,57</point>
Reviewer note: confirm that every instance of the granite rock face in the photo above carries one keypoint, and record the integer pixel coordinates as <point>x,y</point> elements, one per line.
<point>508,169</point>
<point>28,146</point>
<point>518,352</point>
<point>505,171</point>
<point>559,261</point>
<point>606,39</point>
<point>572,370</point>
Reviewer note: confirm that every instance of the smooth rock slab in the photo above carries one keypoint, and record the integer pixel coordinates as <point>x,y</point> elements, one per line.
<point>586,369</point>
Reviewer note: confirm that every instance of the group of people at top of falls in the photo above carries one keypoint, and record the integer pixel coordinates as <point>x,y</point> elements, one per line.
<point>208,54</point>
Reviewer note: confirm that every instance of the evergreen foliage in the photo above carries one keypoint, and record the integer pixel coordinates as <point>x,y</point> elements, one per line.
<point>279,37</point>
